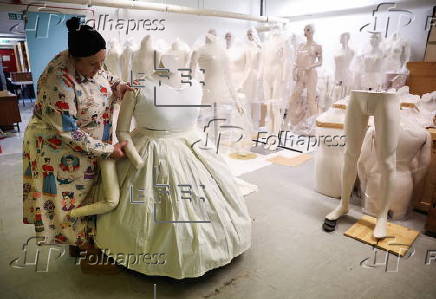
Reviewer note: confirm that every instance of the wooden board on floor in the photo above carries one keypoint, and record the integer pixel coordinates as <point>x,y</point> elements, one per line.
<point>294,161</point>
<point>399,241</point>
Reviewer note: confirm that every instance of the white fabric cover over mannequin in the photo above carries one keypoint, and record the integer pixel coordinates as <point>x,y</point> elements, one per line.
<point>397,54</point>
<point>413,158</point>
<point>330,154</point>
<point>385,108</point>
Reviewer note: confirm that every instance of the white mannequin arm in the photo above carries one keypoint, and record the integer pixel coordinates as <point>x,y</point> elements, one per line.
<point>123,128</point>
<point>318,62</point>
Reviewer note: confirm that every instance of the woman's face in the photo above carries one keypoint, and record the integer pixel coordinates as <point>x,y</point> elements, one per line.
<point>89,66</point>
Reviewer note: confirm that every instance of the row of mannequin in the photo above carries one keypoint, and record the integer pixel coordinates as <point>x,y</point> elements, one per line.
<point>279,73</point>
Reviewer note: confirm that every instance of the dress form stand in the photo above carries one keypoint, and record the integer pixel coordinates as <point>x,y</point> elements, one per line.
<point>273,81</point>
<point>371,65</point>
<point>217,88</point>
<point>308,58</point>
<point>385,108</point>
<point>126,60</point>
<point>143,60</point>
<point>343,59</point>
<point>252,74</point>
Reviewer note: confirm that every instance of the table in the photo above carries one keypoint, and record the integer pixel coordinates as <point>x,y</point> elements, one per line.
<point>20,84</point>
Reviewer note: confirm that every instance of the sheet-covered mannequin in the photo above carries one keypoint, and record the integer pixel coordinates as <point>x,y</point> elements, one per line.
<point>181,184</point>
<point>237,60</point>
<point>413,156</point>
<point>397,54</point>
<point>330,153</point>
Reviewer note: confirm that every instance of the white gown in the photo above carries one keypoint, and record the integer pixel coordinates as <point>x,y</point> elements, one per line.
<point>166,139</point>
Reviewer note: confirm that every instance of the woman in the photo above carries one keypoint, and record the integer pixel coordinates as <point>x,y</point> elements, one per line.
<point>66,135</point>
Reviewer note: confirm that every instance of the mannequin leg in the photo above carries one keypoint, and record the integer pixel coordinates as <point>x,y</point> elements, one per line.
<point>111,192</point>
<point>356,124</point>
<point>387,131</point>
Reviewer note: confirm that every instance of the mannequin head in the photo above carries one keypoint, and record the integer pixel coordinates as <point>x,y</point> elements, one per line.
<point>309,30</point>
<point>228,38</point>
<point>210,36</point>
<point>345,37</point>
<point>250,34</point>
<point>146,42</point>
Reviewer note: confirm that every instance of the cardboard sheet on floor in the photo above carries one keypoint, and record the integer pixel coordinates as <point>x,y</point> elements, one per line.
<point>399,241</point>
<point>294,161</point>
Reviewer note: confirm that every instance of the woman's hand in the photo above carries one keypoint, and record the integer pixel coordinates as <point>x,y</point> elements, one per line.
<point>118,152</point>
<point>121,88</point>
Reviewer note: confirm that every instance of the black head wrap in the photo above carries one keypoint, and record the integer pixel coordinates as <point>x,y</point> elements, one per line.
<point>83,40</point>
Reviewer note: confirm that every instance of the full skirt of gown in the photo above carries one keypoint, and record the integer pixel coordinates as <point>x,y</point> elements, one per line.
<point>181,214</point>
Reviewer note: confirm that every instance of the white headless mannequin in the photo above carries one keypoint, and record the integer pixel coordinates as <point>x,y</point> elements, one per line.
<point>308,58</point>
<point>385,108</point>
<point>397,54</point>
<point>126,60</point>
<point>273,82</point>
<point>252,75</point>
<point>371,63</point>
<point>212,58</point>
<point>343,59</point>
<point>112,60</point>
<point>143,59</point>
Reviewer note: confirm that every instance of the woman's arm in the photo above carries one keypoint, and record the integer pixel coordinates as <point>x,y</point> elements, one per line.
<point>58,108</point>
<point>123,128</point>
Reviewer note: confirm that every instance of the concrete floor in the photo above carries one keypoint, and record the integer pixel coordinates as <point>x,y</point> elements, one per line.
<point>291,257</point>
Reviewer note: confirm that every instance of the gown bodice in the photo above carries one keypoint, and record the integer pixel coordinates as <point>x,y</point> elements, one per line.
<point>167,108</point>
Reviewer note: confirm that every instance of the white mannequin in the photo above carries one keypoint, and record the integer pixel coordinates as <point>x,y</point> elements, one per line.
<point>343,59</point>
<point>212,58</point>
<point>126,61</point>
<point>143,59</point>
<point>112,60</point>
<point>273,82</point>
<point>397,54</point>
<point>182,51</point>
<point>237,61</point>
<point>385,108</point>
<point>372,65</point>
<point>252,72</point>
<point>308,58</point>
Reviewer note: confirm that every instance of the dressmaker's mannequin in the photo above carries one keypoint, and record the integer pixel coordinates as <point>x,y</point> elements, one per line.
<point>308,58</point>
<point>237,61</point>
<point>143,59</point>
<point>126,61</point>
<point>212,58</point>
<point>372,65</point>
<point>343,59</point>
<point>273,81</point>
<point>385,108</point>
<point>397,53</point>
<point>252,72</point>
<point>112,60</point>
